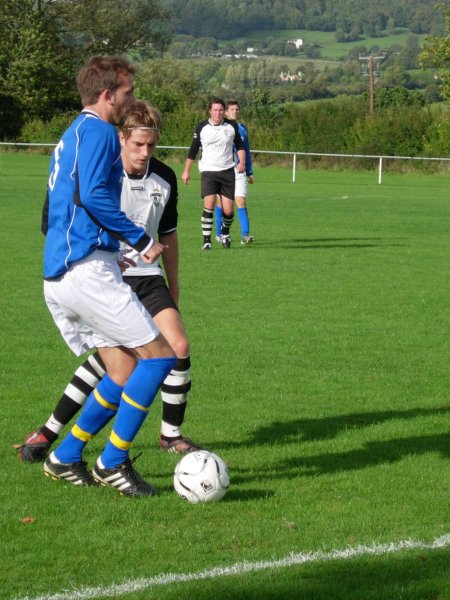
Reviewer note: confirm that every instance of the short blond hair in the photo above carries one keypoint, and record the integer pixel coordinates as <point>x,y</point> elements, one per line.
<point>141,116</point>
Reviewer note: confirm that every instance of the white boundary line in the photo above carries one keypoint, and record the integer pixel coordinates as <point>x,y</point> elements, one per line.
<point>246,567</point>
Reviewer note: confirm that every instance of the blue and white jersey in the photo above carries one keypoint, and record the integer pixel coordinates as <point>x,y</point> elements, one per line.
<point>248,157</point>
<point>84,197</point>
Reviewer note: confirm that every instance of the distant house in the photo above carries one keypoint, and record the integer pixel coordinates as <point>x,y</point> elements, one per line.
<point>288,76</point>
<point>298,43</point>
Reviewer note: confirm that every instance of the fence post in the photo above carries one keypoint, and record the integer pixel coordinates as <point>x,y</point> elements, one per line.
<point>294,164</point>
<point>380,169</point>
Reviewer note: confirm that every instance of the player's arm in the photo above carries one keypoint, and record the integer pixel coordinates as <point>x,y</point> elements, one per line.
<point>240,149</point>
<point>170,261</point>
<point>192,154</point>
<point>248,155</point>
<point>186,175</point>
<point>102,203</point>
<point>241,164</point>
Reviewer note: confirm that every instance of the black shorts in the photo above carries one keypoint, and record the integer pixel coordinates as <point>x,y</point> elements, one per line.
<point>153,292</point>
<point>218,182</point>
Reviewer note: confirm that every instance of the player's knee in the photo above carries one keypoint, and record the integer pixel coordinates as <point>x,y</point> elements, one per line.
<point>158,348</point>
<point>181,347</point>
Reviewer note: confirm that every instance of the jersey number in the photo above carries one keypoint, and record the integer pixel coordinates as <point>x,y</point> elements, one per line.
<point>54,173</point>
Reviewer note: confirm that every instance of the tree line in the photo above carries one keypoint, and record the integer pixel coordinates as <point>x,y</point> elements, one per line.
<point>234,18</point>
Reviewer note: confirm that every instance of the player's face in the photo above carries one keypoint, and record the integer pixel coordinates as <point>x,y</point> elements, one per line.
<point>216,113</point>
<point>122,98</point>
<point>233,112</point>
<point>137,150</point>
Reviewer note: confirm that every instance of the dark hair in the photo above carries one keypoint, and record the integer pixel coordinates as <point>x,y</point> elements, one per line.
<point>101,73</point>
<point>232,103</point>
<point>216,101</point>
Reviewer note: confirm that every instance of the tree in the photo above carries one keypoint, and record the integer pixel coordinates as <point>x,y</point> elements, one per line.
<point>44,42</point>
<point>436,53</point>
<point>113,26</point>
<point>235,77</point>
<point>166,84</point>
<point>35,69</point>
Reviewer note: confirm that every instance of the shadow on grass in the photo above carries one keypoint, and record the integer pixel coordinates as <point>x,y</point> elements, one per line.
<point>414,575</point>
<point>323,243</point>
<point>372,454</point>
<point>323,428</point>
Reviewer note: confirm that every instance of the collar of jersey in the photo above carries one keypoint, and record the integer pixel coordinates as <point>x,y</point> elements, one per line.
<point>90,113</point>
<point>138,177</point>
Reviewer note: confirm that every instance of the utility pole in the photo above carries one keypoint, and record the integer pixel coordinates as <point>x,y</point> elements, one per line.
<point>370,59</point>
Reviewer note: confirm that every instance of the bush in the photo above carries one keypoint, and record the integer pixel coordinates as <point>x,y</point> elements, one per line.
<point>10,117</point>
<point>46,132</point>
<point>393,131</point>
<point>438,133</point>
<point>319,126</point>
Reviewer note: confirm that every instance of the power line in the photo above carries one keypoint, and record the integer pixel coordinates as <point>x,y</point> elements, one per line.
<point>371,58</point>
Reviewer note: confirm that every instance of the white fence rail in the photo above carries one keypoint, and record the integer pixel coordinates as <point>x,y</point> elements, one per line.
<point>294,155</point>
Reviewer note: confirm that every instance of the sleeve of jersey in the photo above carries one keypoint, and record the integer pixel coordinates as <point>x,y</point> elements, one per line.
<point>44,217</point>
<point>169,218</point>
<point>248,157</point>
<point>195,145</point>
<point>100,196</point>
<point>238,141</point>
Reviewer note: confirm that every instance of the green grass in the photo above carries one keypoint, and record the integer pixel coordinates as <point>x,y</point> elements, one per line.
<point>320,374</point>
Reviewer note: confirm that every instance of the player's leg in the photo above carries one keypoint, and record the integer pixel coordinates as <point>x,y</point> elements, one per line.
<point>101,406</point>
<point>241,205</point>
<point>84,380</point>
<point>154,294</point>
<point>175,388</point>
<point>90,317</point>
<point>114,467</point>
<point>218,213</point>
<point>227,181</point>
<point>244,220</point>
<point>209,190</point>
<point>227,220</point>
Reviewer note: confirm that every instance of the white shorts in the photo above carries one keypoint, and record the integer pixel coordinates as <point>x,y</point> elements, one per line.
<point>240,189</point>
<point>93,307</point>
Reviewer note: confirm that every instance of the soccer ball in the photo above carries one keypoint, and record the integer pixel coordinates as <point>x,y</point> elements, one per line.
<point>201,476</point>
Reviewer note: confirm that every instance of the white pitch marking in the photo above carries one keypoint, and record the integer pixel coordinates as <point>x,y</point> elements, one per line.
<point>245,567</point>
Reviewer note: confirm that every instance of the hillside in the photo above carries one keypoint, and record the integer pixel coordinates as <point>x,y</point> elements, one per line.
<point>235,18</point>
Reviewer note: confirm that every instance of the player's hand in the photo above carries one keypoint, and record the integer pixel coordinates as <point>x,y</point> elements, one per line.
<point>251,179</point>
<point>124,262</point>
<point>154,252</point>
<point>185,177</point>
<point>241,167</point>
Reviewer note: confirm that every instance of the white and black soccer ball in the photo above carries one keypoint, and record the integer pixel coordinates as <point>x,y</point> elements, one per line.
<point>201,476</point>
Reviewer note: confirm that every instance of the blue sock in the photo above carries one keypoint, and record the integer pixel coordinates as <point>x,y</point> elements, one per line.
<point>244,221</point>
<point>99,409</point>
<point>218,212</point>
<point>137,397</point>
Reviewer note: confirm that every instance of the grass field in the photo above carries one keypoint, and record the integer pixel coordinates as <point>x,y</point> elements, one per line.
<point>321,369</point>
